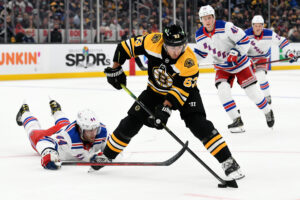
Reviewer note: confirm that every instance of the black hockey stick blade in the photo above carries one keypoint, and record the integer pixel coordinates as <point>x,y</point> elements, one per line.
<point>226,184</point>
<point>163,163</point>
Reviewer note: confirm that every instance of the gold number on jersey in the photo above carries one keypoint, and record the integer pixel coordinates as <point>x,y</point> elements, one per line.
<point>190,82</point>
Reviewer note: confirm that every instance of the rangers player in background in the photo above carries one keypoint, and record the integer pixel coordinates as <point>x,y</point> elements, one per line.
<point>172,85</point>
<point>261,40</point>
<point>228,46</point>
<point>81,140</point>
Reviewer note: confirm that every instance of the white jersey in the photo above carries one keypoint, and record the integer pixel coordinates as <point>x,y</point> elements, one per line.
<point>260,46</point>
<point>219,42</point>
<point>68,143</point>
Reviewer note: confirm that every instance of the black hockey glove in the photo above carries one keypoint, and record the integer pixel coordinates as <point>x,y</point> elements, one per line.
<point>161,116</point>
<point>115,77</point>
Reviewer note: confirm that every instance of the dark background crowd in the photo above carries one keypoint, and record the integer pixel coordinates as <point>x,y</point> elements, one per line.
<point>45,21</point>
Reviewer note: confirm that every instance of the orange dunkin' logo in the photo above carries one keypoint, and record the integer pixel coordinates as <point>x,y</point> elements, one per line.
<point>19,58</point>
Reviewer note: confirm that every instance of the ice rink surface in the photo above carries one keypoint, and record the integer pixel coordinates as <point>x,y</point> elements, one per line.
<point>269,158</point>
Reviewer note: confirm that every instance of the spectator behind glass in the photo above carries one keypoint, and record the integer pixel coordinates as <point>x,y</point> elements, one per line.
<point>55,35</point>
<point>295,37</point>
<point>28,37</point>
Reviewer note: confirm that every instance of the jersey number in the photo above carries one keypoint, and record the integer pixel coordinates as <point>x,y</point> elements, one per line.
<point>190,82</point>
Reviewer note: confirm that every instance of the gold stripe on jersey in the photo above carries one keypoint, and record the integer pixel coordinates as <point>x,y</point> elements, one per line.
<point>126,48</point>
<point>155,89</point>
<point>181,91</point>
<point>175,94</point>
<point>187,63</point>
<point>153,44</point>
<point>132,47</point>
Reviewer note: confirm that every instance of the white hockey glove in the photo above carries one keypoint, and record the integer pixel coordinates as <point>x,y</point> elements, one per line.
<point>50,159</point>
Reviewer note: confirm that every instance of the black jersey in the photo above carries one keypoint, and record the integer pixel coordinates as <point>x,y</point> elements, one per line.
<point>174,79</point>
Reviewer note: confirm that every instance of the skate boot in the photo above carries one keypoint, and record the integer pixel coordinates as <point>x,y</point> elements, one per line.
<point>270,119</point>
<point>269,100</point>
<point>232,169</point>
<point>24,108</point>
<point>54,106</point>
<point>98,158</point>
<point>237,126</point>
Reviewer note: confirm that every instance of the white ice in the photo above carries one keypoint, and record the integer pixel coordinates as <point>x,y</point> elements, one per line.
<point>269,158</point>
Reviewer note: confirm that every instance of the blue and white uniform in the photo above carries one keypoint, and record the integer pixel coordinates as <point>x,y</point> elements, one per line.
<point>260,46</point>
<point>219,42</point>
<point>64,137</point>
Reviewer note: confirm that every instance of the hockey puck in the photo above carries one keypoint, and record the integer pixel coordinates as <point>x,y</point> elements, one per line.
<point>221,185</point>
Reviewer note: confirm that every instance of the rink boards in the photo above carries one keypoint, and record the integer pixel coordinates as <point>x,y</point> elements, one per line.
<point>46,61</point>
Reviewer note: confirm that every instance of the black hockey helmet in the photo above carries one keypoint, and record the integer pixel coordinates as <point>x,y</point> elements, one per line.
<point>174,35</point>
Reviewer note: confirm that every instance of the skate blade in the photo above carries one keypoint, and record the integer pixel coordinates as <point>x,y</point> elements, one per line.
<point>237,130</point>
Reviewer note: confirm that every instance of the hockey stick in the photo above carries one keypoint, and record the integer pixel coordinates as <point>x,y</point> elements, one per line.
<point>224,183</point>
<point>274,61</point>
<point>204,64</point>
<point>163,163</point>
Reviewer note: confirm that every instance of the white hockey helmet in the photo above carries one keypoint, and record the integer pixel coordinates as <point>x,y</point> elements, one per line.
<point>258,19</point>
<point>87,120</point>
<point>206,10</point>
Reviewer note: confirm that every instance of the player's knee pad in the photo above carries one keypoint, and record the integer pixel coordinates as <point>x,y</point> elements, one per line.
<point>252,91</point>
<point>128,127</point>
<point>261,76</point>
<point>224,90</point>
<point>199,126</point>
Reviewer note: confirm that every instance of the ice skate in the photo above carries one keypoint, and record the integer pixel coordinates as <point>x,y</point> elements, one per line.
<point>237,126</point>
<point>270,119</point>
<point>232,169</point>
<point>269,100</point>
<point>98,159</point>
<point>54,106</point>
<point>24,108</point>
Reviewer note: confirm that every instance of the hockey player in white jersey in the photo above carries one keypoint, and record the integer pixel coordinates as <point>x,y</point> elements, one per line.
<point>81,140</point>
<point>228,46</point>
<point>261,40</point>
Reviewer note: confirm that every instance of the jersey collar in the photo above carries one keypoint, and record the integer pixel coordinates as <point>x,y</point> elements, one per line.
<point>258,37</point>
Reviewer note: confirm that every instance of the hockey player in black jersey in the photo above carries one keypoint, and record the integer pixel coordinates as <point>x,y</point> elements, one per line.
<point>172,85</point>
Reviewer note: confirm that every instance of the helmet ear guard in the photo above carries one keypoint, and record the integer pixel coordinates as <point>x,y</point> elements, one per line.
<point>174,35</point>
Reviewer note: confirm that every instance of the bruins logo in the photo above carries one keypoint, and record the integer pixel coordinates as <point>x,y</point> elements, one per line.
<point>162,78</point>
<point>156,38</point>
<point>189,63</point>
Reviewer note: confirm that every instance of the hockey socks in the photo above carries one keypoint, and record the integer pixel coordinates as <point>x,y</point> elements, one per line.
<point>115,145</point>
<point>224,93</point>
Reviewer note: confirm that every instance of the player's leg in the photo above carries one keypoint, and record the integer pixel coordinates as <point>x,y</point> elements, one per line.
<point>194,116</point>
<point>224,81</point>
<point>57,113</point>
<point>262,78</point>
<point>28,121</point>
<point>247,81</point>
<point>131,124</point>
